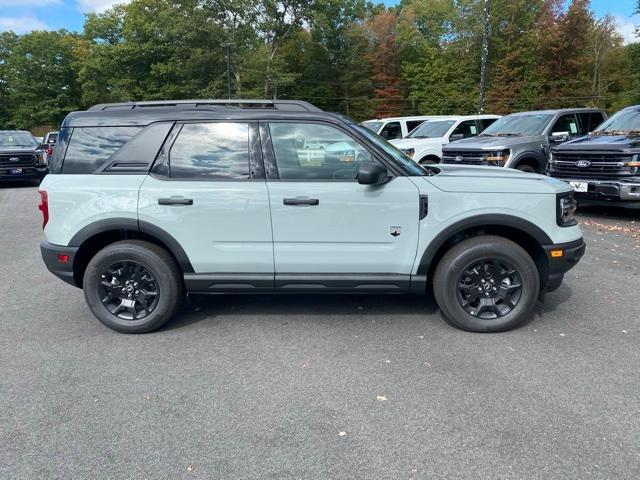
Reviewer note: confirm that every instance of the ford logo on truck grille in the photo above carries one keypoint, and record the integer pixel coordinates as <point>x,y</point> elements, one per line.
<point>459,158</point>
<point>583,163</point>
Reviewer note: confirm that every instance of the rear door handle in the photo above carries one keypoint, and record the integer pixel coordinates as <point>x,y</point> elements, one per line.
<point>175,201</point>
<point>301,201</point>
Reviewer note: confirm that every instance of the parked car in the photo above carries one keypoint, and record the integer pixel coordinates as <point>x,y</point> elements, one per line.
<point>143,204</point>
<point>49,142</point>
<point>393,128</point>
<point>604,166</point>
<point>522,140</point>
<point>21,156</point>
<point>424,143</point>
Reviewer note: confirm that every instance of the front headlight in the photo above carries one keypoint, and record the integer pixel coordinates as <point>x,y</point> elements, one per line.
<point>498,158</point>
<point>566,208</point>
<point>409,152</point>
<point>41,158</point>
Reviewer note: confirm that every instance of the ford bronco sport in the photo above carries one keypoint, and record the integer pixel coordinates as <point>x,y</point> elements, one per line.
<point>604,166</point>
<point>147,201</point>
<point>522,140</point>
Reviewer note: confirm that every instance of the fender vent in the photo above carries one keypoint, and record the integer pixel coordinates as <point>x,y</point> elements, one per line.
<point>424,206</point>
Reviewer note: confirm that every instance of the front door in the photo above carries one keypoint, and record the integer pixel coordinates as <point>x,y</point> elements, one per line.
<point>211,196</point>
<point>329,231</point>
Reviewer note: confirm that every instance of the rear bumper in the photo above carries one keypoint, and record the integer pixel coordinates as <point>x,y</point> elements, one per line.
<point>28,173</point>
<point>59,260</point>
<point>561,258</point>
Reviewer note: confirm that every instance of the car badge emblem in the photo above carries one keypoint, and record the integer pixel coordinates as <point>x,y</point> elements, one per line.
<point>583,163</point>
<point>459,158</point>
<point>395,231</point>
<point>14,159</point>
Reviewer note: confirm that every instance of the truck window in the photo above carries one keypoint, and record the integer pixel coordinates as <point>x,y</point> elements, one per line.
<point>566,123</point>
<point>90,147</point>
<point>467,129</point>
<point>411,124</point>
<point>391,131</point>
<point>589,121</point>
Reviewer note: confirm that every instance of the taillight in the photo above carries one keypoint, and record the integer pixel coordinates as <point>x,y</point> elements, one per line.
<point>44,207</point>
<point>50,151</point>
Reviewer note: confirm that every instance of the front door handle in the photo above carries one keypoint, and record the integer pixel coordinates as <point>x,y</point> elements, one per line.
<point>175,201</point>
<point>301,201</point>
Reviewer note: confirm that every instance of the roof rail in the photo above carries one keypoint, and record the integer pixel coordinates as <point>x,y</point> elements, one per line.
<point>290,105</point>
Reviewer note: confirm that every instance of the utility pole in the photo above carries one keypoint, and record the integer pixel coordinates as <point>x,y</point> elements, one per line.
<point>228,46</point>
<point>484,54</point>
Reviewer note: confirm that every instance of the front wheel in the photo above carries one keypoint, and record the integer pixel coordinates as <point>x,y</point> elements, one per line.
<point>486,284</point>
<point>526,168</point>
<point>133,286</point>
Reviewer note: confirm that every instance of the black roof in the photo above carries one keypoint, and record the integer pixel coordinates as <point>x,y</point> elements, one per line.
<point>144,113</point>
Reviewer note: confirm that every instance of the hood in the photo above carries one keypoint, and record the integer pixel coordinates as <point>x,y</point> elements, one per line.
<point>482,142</point>
<point>413,142</point>
<point>602,142</point>
<point>470,178</point>
<point>9,150</point>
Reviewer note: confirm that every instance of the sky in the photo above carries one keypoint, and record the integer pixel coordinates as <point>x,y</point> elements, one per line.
<point>25,15</point>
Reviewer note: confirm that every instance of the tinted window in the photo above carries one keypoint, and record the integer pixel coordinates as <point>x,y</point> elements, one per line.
<point>411,124</point>
<point>485,122</point>
<point>211,151</point>
<point>90,147</point>
<point>566,123</point>
<point>467,129</point>
<point>315,152</point>
<point>590,120</point>
<point>391,131</point>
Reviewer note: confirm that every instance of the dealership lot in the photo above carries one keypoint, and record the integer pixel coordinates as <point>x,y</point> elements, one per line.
<point>325,387</point>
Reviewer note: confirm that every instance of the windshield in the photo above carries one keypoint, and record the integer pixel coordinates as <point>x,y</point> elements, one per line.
<point>373,126</point>
<point>529,124</point>
<point>408,165</point>
<point>432,129</point>
<point>17,139</point>
<point>625,121</point>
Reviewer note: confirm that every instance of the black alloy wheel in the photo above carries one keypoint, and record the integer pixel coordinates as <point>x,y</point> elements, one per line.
<point>128,290</point>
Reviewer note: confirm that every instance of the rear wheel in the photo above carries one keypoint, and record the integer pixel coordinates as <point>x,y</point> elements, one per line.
<point>486,284</point>
<point>133,286</point>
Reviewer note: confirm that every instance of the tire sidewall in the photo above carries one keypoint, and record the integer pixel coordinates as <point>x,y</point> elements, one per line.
<point>461,259</point>
<point>150,261</point>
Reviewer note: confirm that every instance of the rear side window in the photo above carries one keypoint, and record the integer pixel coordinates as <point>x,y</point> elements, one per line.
<point>90,147</point>
<point>211,151</point>
<point>590,120</point>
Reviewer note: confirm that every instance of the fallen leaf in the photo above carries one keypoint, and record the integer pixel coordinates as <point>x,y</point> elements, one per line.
<point>381,398</point>
<point>342,434</point>
<point>189,468</point>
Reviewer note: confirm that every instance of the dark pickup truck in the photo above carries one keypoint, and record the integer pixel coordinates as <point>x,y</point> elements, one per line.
<point>604,166</point>
<point>21,156</point>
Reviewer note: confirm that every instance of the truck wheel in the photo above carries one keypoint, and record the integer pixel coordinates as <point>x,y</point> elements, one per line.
<point>526,168</point>
<point>486,284</point>
<point>133,286</point>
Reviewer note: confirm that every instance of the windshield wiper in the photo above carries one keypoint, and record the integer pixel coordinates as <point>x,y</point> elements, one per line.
<point>420,136</point>
<point>616,132</point>
<point>508,134</point>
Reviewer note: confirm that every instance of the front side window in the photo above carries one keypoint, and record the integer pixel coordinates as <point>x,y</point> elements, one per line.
<point>391,131</point>
<point>211,151</point>
<point>90,147</point>
<point>566,123</point>
<point>305,151</point>
<point>466,129</point>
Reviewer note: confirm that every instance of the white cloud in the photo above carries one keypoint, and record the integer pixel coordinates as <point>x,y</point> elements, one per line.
<point>97,5</point>
<point>28,3</point>
<point>21,25</point>
<point>627,28</point>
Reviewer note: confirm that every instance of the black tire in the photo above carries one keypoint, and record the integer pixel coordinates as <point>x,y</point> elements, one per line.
<point>451,283</point>
<point>161,272</point>
<point>429,161</point>
<point>526,168</point>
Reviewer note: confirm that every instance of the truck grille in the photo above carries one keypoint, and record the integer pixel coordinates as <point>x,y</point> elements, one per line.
<point>465,157</point>
<point>591,164</point>
<point>17,160</point>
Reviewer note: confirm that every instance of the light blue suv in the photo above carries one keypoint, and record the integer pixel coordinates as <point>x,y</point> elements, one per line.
<point>148,201</point>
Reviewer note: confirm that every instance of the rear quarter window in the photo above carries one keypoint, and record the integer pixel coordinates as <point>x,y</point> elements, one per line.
<point>90,147</point>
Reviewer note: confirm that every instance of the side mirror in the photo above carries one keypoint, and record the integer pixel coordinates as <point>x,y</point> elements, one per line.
<point>456,136</point>
<point>559,137</point>
<point>370,173</point>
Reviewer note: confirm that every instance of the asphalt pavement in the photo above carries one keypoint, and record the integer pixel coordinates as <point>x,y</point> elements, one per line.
<point>320,387</point>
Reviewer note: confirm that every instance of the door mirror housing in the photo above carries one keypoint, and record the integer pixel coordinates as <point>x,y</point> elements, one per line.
<point>559,137</point>
<point>370,173</point>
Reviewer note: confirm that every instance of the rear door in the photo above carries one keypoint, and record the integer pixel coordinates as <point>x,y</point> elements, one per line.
<point>329,231</point>
<point>207,190</point>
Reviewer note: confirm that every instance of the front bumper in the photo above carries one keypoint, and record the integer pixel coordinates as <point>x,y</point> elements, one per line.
<point>27,173</point>
<point>561,258</point>
<point>59,260</point>
<point>608,191</point>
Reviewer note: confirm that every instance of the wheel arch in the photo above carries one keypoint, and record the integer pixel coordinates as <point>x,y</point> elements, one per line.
<point>526,234</point>
<point>530,158</point>
<point>98,235</point>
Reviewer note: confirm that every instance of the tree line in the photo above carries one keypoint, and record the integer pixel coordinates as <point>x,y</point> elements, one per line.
<point>349,56</point>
